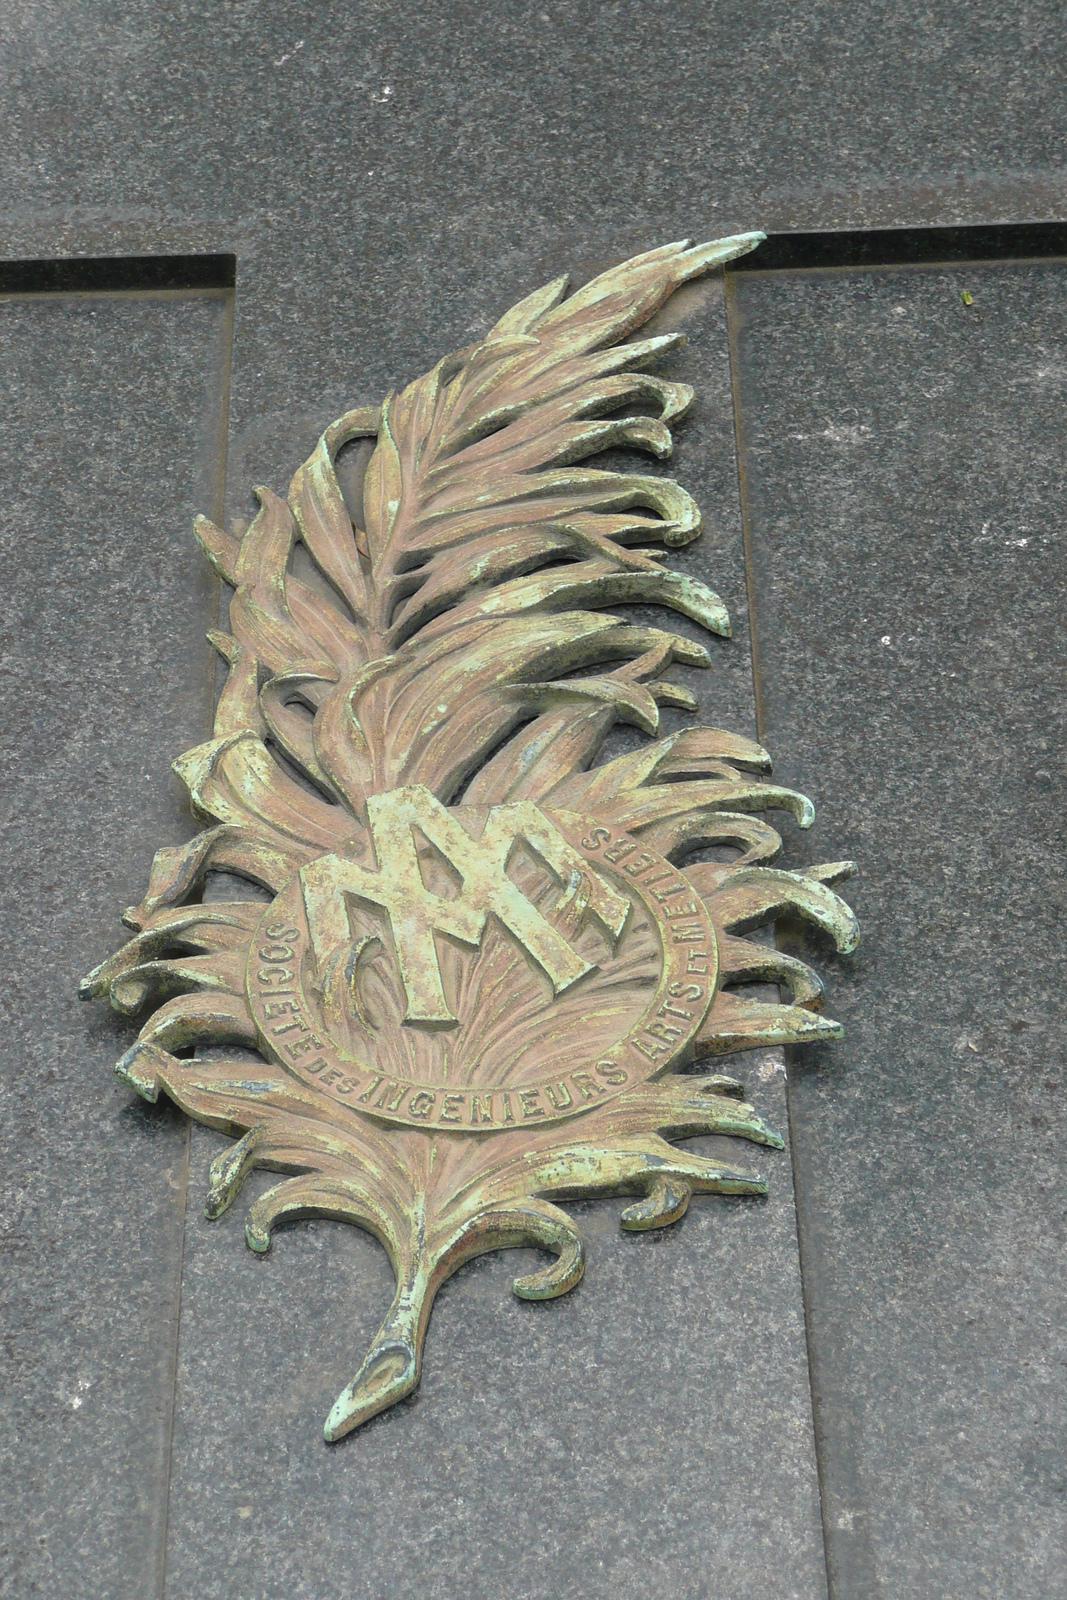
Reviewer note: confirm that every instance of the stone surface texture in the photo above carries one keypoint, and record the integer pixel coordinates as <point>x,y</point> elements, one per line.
<point>647,1430</point>
<point>903,458</point>
<point>109,437</point>
<point>389,177</point>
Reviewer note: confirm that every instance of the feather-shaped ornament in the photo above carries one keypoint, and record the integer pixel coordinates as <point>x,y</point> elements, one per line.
<point>485,977</point>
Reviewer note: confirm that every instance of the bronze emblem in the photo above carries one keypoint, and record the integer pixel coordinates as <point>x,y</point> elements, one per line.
<point>487,970</point>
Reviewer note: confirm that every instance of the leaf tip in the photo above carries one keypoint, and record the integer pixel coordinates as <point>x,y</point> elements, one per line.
<point>220,549</point>
<point>257,1236</point>
<point>389,1374</point>
<point>92,985</point>
<point>716,252</point>
<point>831,872</point>
<point>140,1067</point>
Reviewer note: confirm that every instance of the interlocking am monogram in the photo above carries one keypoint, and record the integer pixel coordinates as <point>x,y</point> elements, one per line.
<point>417,913</point>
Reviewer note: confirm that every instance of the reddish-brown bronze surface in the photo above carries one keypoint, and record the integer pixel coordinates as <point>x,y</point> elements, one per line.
<point>491,969</point>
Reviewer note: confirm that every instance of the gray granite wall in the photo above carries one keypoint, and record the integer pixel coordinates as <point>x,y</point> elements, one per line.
<point>904,470</point>
<point>110,438</point>
<point>388,178</point>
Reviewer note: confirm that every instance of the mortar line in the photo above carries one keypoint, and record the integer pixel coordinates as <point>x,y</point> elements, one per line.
<point>168,1445</point>
<point>732,332</point>
<point>217,497</point>
<point>742,491</point>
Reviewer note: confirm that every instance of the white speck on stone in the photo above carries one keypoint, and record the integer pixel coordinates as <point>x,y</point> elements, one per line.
<point>289,54</point>
<point>845,433</point>
<point>887,638</point>
<point>77,1400</point>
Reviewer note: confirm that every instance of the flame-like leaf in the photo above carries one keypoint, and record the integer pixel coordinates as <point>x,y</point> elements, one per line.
<point>458,643</point>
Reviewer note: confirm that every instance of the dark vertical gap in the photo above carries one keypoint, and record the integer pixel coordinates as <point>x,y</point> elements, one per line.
<point>217,498</point>
<point>168,1443</point>
<point>809,1343</point>
<point>732,332</point>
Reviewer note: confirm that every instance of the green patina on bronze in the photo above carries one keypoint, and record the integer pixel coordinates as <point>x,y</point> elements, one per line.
<point>482,981</point>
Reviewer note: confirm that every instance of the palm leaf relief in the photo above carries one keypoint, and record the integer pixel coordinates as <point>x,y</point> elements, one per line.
<point>460,642</point>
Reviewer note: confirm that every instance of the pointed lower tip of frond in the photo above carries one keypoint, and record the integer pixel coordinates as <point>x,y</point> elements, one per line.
<point>392,1366</point>
<point>389,1374</point>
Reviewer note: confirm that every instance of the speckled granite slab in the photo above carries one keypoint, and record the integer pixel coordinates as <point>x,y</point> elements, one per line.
<point>109,439</point>
<point>386,176</point>
<point>904,472</point>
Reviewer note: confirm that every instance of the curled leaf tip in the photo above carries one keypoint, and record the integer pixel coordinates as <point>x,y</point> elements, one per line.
<point>559,1277</point>
<point>666,1201</point>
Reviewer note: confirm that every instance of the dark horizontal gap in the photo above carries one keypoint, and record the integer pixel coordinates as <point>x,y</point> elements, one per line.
<point>118,272</point>
<point>886,247</point>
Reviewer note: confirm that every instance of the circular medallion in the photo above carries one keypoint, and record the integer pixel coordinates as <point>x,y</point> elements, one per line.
<point>561,984</point>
